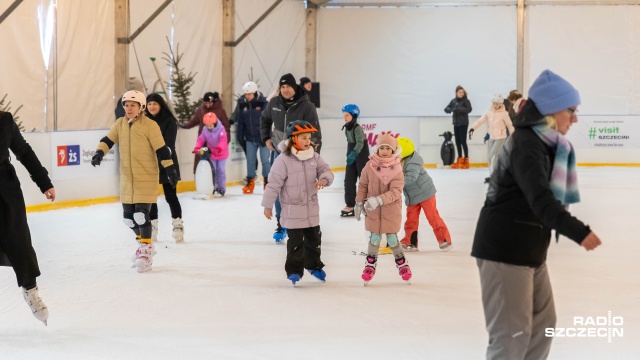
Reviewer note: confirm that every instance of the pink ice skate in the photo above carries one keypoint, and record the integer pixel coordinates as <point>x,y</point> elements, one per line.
<point>369,269</point>
<point>144,257</point>
<point>403,269</point>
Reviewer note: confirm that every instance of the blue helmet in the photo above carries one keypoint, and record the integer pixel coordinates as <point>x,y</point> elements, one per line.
<point>352,109</point>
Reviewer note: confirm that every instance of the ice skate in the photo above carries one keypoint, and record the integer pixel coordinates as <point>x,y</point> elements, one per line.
<point>144,256</point>
<point>445,246</point>
<point>347,212</point>
<point>280,234</point>
<point>403,269</point>
<point>409,248</point>
<point>294,278</point>
<point>369,269</point>
<point>154,230</point>
<point>318,274</point>
<point>178,230</point>
<point>251,183</point>
<point>221,192</point>
<point>38,308</point>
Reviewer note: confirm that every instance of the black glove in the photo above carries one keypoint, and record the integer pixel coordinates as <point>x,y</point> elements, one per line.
<point>470,133</point>
<point>97,158</point>
<point>173,175</point>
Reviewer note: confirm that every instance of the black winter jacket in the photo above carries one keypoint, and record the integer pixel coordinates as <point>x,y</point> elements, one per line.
<point>247,117</point>
<point>460,108</point>
<point>520,210</point>
<point>169,129</point>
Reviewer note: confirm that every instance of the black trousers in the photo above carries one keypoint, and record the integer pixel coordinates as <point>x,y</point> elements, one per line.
<point>143,230</point>
<point>303,250</point>
<point>15,238</point>
<point>174,204</point>
<point>352,173</point>
<point>460,134</point>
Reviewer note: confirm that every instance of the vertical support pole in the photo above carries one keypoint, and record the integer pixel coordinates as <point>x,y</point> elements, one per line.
<point>121,59</point>
<point>228,35</point>
<point>520,48</point>
<point>311,47</point>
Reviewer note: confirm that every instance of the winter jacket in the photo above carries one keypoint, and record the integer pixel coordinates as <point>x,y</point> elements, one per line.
<point>278,115</point>
<point>216,140</point>
<point>356,136</point>
<point>217,109</point>
<point>247,116</point>
<point>169,129</point>
<point>460,107</point>
<point>497,123</point>
<point>387,218</point>
<point>520,210</point>
<point>139,142</point>
<point>293,180</point>
<point>418,185</point>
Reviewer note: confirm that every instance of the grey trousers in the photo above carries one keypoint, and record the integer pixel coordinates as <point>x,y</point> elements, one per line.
<point>493,150</point>
<point>518,306</point>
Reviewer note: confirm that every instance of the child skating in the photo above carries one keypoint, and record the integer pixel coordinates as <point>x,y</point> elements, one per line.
<point>380,200</point>
<point>296,176</point>
<point>419,194</point>
<point>357,155</point>
<point>214,137</point>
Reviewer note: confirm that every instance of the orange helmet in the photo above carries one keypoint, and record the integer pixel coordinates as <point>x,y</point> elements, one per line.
<point>299,127</point>
<point>210,118</point>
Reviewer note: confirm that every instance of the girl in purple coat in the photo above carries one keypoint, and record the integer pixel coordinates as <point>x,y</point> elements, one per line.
<point>214,136</point>
<point>296,176</point>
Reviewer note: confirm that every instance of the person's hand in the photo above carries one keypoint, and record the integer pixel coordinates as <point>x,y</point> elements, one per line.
<point>373,202</point>
<point>591,242</point>
<point>269,144</point>
<point>470,133</point>
<point>321,184</point>
<point>172,174</point>
<point>97,158</point>
<point>268,213</point>
<point>50,194</point>
<point>359,209</point>
<point>351,157</point>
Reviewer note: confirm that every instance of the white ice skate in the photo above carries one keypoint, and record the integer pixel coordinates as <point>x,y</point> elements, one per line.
<point>144,257</point>
<point>154,230</point>
<point>445,246</point>
<point>38,308</point>
<point>178,230</point>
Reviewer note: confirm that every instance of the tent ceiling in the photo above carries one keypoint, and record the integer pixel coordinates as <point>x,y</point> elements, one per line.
<point>429,3</point>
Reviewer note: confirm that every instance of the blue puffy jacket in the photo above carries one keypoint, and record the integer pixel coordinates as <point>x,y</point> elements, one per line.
<point>248,118</point>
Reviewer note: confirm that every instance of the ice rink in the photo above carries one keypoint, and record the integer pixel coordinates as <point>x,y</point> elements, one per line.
<point>224,294</point>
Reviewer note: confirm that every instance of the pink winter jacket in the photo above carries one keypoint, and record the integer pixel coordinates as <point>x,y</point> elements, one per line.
<point>216,140</point>
<point>385,219</point>
<point>294,181</point>
<point>497,123</point>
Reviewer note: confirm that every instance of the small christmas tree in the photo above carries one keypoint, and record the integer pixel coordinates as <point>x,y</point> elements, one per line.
<point>7,108</point>
<point>180,85</point>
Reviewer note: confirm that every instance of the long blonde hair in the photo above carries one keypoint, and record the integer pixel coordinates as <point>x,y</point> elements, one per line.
<point>551,122</point>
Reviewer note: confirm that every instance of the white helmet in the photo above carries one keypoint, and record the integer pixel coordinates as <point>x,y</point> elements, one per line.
<point>249,87</point>
<point>498,99</point>
<point>137,96</point>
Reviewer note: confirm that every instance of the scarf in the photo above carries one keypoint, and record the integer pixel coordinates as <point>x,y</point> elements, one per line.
<point>385,168</point>
<point>302,155</point>
<point>564,179</point>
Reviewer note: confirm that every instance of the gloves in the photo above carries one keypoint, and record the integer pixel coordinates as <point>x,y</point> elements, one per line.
<point>97,158</point>
<point>351,157</point>
<point>470,133</point>
<point>486,138</point>
<point>372,203</point>
<point>359,209</point>
<point>173,175</point>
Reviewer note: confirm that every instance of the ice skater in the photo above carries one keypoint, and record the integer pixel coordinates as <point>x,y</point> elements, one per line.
<point>357,155</point>
<point>214,137</point>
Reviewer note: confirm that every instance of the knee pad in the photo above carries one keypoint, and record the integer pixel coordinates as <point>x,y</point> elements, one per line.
<point>141,216</point>
<point>392,240</point>
<point>375,239</point>
<point>129,222</point>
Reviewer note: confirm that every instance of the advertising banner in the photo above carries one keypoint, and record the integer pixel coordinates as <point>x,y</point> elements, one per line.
<point>606,132</point>
<point>398,127</point>
<point>73,151</point>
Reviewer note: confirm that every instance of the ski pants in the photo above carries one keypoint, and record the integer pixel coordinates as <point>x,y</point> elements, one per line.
<point>440,229</point>
<point>137,217</point>
<point>303,250</point>
<point>518,307</point>
<point>460,134</point>
<point>493,150</point>
<point>352,173</point>
<point>16,249</point>
<point>174,204</point>
<point>220,179</point>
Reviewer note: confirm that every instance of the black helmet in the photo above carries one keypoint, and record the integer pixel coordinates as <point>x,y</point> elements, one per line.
<point>299,127</point>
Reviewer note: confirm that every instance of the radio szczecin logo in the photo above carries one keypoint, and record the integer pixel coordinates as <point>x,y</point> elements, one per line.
<point>590,327</point>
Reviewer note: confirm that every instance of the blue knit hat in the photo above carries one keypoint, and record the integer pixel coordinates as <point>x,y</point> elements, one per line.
<point>551,93</point>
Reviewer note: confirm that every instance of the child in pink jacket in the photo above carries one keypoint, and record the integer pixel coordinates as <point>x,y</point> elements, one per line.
<point>295,176</point>
<point>380,199</point>
<point>214,137</point>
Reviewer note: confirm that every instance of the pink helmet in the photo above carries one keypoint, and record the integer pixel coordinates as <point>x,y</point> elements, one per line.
<point>210,118</point>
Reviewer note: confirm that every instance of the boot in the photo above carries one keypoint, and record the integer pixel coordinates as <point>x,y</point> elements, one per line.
<point>251,183</point>
<point>369,268</point>
<point>403,268</point>
<point>154,230</point>
<point>458,164</point>
<point>318,274</point>
<point>445,245</point>
<point>465,163</point>
<point>38,308</point>
<point>413,245</point>
<point>144,256</point>
<point>178,230</point>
